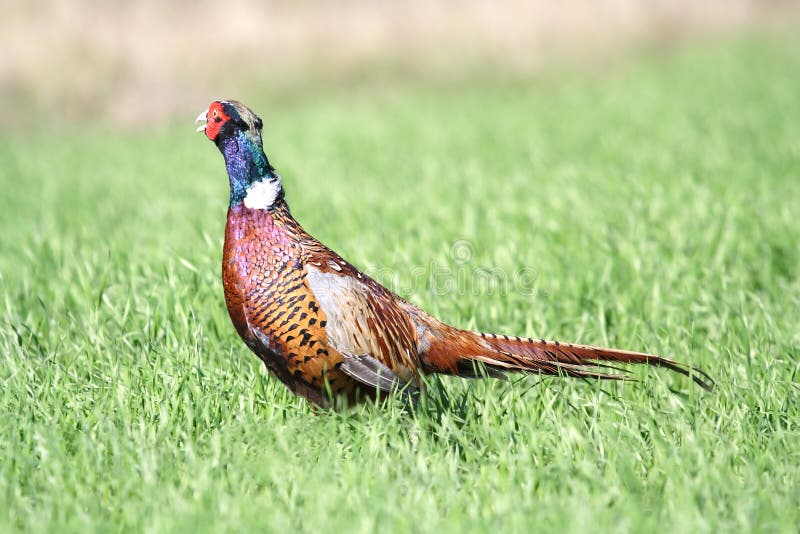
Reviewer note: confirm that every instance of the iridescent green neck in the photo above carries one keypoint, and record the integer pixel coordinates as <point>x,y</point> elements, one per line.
<point>246,164</point>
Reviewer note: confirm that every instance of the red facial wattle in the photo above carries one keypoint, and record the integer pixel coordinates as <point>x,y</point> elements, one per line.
<point>215,119</point>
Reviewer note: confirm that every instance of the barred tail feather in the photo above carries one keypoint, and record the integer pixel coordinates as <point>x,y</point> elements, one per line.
<point>508,353</point>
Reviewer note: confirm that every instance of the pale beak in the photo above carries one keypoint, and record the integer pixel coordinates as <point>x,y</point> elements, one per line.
<point>201,117</point>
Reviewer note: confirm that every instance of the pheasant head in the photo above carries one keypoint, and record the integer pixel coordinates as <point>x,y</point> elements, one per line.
<point>227,118</point>
<point>236,131</point>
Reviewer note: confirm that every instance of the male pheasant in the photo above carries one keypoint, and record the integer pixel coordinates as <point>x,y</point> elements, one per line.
<point>328,331</point>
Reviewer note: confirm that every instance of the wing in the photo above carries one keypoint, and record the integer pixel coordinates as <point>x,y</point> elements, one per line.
<point>370,371</point>
<point>366,323</point>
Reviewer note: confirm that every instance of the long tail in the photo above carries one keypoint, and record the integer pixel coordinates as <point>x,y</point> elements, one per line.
<point>457,351</point>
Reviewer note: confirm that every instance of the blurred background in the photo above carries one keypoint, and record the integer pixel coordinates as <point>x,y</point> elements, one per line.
<point>105,60</point>
<point>638,161</point>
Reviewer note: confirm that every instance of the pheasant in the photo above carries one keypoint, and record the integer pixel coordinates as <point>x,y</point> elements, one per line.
<point>329,331</point>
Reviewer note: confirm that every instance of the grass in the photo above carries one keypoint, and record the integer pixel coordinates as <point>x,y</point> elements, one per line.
<point>656,208</point>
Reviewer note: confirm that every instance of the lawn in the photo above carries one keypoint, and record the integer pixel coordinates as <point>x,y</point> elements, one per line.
<point>652,206</point>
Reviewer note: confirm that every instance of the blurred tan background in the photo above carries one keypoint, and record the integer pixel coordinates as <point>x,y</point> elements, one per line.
<point>109,60</point>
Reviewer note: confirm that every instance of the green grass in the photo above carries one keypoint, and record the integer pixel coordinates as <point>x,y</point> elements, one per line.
<point>658,206</point>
